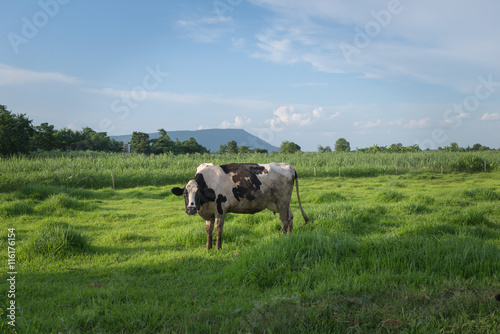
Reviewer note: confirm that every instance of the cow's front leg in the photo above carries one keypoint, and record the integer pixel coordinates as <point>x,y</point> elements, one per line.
<point>210,228</point>
<point>219,226</point>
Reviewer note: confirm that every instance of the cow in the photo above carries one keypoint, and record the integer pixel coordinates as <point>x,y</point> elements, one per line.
<point>240,188</point>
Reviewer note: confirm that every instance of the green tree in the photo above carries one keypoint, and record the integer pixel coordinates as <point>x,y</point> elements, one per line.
<point>414,148</point>
<point>342,145</point>
<point>479,147</point>
<point>322,149</point>
<point>244,149</point>
<point>289,147</point>
<point>232,147</point>
<point>92,140</point>
<point>44,137</point>
<point>163,144</point>
<point>453,147</point>
<point>396,148</point>
<point>223,149</point>
<point>15,132</point>
<point>191,146</point>
<point>64,139</point>
<point>140,143</point>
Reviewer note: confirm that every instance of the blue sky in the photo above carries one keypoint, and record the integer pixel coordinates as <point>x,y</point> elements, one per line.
<point>374,72</point>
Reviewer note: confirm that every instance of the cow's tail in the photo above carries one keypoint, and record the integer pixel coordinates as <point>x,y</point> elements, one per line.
<point>298,198</point>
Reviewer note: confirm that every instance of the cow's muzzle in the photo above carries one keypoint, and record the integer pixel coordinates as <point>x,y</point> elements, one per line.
<point>191,210</point>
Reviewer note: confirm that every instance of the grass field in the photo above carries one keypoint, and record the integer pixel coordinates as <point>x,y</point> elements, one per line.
<point>416,252</point>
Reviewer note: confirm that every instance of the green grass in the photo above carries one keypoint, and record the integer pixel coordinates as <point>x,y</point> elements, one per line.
<point>416,252</point>
<point>92,170</point>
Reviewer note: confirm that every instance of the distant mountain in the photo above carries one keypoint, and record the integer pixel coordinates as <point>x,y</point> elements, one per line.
<point>212,139</point>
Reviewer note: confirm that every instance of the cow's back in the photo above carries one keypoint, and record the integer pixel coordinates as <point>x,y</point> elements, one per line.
<point>250,188</point>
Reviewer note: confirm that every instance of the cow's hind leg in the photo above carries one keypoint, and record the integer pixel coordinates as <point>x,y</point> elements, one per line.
<point>210,228</point>
<point>286,217</point>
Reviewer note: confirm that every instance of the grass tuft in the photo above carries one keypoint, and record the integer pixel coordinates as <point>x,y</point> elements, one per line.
<point>62,201</point>
<point>413,208</point>
<point>56,239</point>
<point>470,217</point>
<point>389,196</point>
<point>327,197</point>
<point>481,194</point>
<point>17,208</point>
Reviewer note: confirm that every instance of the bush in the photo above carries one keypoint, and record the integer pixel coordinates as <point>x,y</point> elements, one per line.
<point>472,164</point>
<point>56,239</point>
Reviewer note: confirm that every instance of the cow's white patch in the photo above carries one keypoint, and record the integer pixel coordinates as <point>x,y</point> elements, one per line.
<point>203,166</point>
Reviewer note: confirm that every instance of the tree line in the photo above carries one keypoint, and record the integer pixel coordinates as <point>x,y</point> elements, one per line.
<point>19,136</point>
<point>342,145</point>
<point>140,143</point>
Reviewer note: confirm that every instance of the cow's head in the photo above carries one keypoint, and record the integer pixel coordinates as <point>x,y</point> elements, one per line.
<point>194,196</point>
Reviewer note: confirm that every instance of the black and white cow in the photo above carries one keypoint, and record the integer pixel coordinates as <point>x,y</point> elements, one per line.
<point>240,188</point>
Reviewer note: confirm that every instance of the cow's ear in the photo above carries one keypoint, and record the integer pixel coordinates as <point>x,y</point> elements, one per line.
<point>177,191</point>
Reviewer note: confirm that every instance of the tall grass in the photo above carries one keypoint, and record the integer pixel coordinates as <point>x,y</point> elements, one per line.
<point>92,170</point>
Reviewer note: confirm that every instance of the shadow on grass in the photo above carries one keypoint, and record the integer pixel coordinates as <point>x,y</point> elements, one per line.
<point>292,283</point>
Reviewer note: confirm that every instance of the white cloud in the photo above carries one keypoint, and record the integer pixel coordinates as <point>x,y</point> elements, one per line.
<point>184,98</point>
<point>398,122</point>
<point>309,84</point>
<point>17,76</point>
<point>206,29</point>
<point>368,125</point>
<point>275,50</point>
<point>238,43</point>
<point>318,112</point>
<point>209,20</point>
<point>425,39</point>
<point>491,117</point>
<point>412,124</point>
<point>286,116</point>
<point>238,123</point>
<point>416,124</point>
